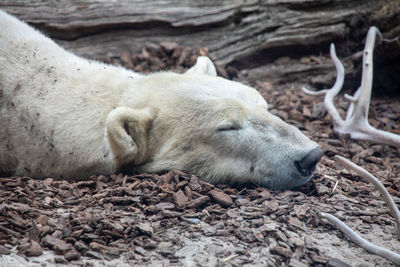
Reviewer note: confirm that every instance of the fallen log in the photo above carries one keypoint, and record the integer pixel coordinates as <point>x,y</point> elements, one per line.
<point>239,33</point>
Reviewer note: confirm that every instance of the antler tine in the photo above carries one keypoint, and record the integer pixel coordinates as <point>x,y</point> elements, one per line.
<point>356,238</point>
<point>311,92</point>
<point>378,185</point>
<point>352,99</point>
<point>330,94</point>
<point>353,236</point>
<point>356,122</point>
<point>358,110</point>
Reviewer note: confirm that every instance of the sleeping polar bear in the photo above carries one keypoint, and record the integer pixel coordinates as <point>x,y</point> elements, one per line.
<point>63,116</point>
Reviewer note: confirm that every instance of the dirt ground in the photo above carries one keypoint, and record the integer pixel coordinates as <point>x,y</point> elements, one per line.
<point>176,219</point>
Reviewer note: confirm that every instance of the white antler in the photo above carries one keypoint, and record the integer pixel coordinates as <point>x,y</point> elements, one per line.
<point>356,123</point>
<point>378,185</point>
<point>353,236</point>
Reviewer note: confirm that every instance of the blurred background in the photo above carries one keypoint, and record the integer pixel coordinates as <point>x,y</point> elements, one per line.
<point>274,41</point>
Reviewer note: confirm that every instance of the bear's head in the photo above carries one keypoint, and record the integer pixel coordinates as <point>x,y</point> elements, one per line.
<point>217,128</point>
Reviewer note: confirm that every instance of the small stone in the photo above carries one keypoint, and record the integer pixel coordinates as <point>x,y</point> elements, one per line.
<point>245,234</point>
<point>149,244</point>
<point>206,187</point>
<point>47,200</point>
<point>47,182</point>
<point>164,245</point>
<point>34,232</point>
<point>42,219</point>
<point>194,183</point>
<point>242,201</point>
<point>321,189</point>
<point>126,59</point>
<point>281,236</point>
<point>270,227</point>
<point>297,241</point>
<point>81,246</point>
<point>77,233</point>
<point>193,220</point>
<point>169,47</point>
<point>333,262</point>
<point>43,230</point>
<point>233,213</point>
<point>72,255</point>
<point>208,230</point>
<point>271,205</point>
<point>295,222</point>
<point>152,49</point>
<point>185,56</point>
<point>57,234</point>
<point>166,249</point>
<point>297,263</point>
<point>219,225</point>
<point>318,110</point>
<point>165,205</point>
<point>301,210</point>
<point>56,244</point>
<point>281,251</point>
<point>180,198</point>
<point>96,246</point>
<point>182,184</point>
<point>197,202</point>
<point>34,250</point>
<point>188,192</point>
<point>221,198</point>
<point>145,228</point>
<point>139,250</point>
<point>117,227</point>
<point>319,259</point>
<point>111,256</point>
<point>93,254</point>
<point>4,250</point>
<point>60,260</point>
<point>367,219</point>
<point>171,214</point>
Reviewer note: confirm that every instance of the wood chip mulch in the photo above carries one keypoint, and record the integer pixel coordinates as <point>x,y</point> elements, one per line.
<point>154,218</point>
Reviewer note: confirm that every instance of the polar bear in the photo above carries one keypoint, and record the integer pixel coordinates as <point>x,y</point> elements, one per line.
<point>63,116</point>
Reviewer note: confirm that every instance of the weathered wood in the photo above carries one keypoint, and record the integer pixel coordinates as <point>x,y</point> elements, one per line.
<point>238,32</point>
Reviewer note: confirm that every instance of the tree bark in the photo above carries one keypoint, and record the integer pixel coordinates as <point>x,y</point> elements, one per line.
<point>240,33</point>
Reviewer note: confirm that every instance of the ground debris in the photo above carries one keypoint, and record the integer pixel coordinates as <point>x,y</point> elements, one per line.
<point>221,198</point>
<point>174,218</point>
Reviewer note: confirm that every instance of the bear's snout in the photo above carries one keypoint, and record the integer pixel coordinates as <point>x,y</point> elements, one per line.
<point>307,164</point>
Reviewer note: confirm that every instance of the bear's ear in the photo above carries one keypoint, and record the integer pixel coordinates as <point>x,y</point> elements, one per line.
<point>203,65</point>
<point>127,133</point>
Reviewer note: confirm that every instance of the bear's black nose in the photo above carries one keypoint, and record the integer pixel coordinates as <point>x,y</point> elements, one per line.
<point>306,165</point>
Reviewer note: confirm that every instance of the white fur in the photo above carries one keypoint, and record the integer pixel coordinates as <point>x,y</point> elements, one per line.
<point>65,116</point>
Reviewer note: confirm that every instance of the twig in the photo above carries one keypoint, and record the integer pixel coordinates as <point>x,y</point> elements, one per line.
<point>330,177</point>
<point>368,246</point>
<point>230,257</point>
<point>334,188</point>
<point>124,181</point>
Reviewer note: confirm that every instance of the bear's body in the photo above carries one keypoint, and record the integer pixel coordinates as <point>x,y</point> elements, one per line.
<point>65,116</point>
<point>42,92</point>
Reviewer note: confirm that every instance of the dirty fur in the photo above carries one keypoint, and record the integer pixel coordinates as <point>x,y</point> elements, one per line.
<point>63,116</point>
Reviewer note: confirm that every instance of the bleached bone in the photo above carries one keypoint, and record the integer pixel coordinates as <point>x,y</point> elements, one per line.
<point>356,238</point>
<point>356,123</point>
<point>394,211</point>
<point>353,236</point>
